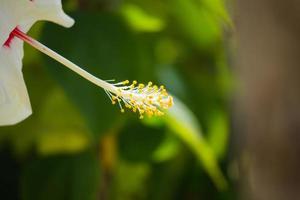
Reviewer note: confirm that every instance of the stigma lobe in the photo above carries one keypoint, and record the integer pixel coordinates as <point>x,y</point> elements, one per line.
<point>16,33</point>
<point>10,38</point>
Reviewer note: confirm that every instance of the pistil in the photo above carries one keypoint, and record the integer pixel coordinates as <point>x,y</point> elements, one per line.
<point>149,99</point>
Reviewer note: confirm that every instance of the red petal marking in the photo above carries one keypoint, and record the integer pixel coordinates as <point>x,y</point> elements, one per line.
<point>11,36</point>
<point>16,33</point>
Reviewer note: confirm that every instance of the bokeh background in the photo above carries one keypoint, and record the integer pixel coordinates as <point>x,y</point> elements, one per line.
<point>76,145</point>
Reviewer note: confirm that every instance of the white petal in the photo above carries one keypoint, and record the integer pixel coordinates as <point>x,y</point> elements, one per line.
<point>14,13</point>
<point>7,23</point>
<point>51,10</point>
<point>14,101</point>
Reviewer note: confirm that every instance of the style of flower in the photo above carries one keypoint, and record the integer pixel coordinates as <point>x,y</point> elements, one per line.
<point>16,18</point>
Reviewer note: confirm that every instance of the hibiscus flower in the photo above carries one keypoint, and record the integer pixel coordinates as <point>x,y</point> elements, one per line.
<point>16,18</point>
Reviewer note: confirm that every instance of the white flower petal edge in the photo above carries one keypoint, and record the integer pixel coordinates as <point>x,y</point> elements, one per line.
<point>14,101</point>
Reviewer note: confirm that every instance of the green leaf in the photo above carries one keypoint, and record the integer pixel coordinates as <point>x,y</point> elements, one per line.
<point>218,132</point>
<point>218,10</point>
<point>73,177</point>
<point>141,21</point>
<point>130,181</point>
<point>199,22</point>
<point>65,132</point>
<point>184,124</point>
<point>168,149</point>
<point>138,143</point>
<point>195,23</point>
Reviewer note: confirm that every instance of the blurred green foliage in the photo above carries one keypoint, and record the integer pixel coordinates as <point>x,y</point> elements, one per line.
<point>76,145</point>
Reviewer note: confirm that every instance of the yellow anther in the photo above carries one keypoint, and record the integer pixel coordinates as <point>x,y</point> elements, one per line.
<point>125,82</point>
<point>141,85</point>
<point>150,113</point>
<point>132,101</point>
<point>148,100</point>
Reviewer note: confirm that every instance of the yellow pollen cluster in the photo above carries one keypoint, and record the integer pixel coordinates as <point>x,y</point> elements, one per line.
<point>149,100</point>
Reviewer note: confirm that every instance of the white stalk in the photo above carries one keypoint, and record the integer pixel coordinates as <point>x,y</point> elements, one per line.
<point>72,66</point>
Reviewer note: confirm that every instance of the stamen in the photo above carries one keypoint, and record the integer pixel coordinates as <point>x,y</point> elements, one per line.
<point>146,99</point>
<point>110,80</point>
